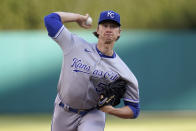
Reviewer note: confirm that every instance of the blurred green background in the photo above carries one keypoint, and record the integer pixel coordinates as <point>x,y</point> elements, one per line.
<point>157,42</point>
<point>135,14</point>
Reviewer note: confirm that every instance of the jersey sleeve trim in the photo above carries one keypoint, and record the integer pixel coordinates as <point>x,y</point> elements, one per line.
<point>53,23</point>
<point>131,100</point>
<point>59,32</point>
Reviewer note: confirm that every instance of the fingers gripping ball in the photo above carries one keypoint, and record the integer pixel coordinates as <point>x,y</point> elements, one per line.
<point>89,21</point>
<point>112,93</point>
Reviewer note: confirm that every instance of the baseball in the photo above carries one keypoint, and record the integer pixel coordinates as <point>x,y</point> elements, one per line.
<point>89,21</point>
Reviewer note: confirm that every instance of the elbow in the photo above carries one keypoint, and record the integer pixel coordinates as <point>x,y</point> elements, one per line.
<point>52,23</point>
<point>47,20</point>
<point>134,108</point>
<point>48,24</point>
<point>133,114</point>
<point>51,19</point>
<point>136,114</point>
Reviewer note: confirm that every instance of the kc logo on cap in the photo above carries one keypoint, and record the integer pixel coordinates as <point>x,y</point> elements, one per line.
<point>109,16</point>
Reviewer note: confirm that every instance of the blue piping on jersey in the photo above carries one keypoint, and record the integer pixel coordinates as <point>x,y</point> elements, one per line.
<point>53,23</point>
<point>135,107</point>
<point>131,100</point>
<point>105,56</point>
<point>59,32</point>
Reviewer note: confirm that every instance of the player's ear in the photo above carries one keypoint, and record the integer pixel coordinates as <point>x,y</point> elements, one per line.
<point>97,30</point>
<point>119,32</point>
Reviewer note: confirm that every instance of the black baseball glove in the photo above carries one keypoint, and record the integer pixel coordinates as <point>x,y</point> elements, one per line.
<point>112,93</point>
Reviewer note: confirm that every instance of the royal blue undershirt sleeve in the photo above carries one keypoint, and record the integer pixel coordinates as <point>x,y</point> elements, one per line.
<point>135,107</point>
<point>53,23</point>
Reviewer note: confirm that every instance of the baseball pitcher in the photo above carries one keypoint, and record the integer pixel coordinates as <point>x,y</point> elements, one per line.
<point>93,78</point>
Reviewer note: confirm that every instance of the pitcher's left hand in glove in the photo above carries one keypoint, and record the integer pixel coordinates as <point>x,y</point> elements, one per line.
<point>112,93</point>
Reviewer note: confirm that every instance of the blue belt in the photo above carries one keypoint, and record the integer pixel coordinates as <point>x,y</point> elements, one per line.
<point>77,111</point>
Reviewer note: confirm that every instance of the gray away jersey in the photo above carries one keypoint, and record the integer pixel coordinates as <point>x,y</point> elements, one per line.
<point>84,72</point>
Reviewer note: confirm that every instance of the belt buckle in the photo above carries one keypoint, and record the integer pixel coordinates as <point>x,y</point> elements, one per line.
<point>66,108</point>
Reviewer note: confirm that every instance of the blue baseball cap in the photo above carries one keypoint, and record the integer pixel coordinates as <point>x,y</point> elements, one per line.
<point>109,16</point>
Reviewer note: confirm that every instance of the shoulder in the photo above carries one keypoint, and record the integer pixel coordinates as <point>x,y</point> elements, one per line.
<point>121,63</point>
<point>69,36</point>
<point>126,72</point>
<point>80,41</point>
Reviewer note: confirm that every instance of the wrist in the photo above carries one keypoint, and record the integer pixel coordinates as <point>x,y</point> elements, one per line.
<point>107,109</point>
<point>78,17</point>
